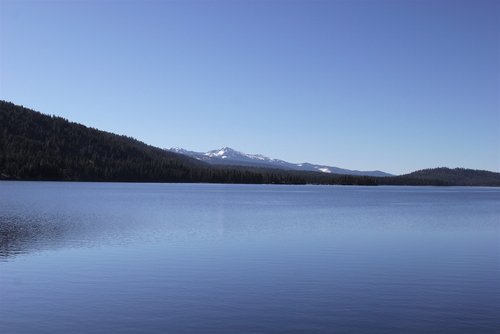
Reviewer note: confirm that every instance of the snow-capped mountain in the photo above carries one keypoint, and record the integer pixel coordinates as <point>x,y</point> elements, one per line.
<point>229,156</point>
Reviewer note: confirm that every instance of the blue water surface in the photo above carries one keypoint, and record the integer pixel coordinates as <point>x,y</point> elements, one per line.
<point>196,258</point>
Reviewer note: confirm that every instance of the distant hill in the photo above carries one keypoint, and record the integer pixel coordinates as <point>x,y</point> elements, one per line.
<point>229,157</point>
<point>456,176</point>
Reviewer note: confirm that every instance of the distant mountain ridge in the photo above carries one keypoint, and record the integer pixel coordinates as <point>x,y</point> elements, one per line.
<point>231,157</point>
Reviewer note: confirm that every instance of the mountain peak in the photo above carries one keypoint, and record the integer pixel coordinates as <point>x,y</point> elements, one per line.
<point>224,153</point>
<point>226,149</point>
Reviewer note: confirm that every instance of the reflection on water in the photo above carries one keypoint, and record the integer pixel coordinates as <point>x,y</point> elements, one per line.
<point>18,234</point>
<point>91,257</point>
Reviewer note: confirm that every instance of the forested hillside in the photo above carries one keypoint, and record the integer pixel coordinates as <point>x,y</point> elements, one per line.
<point>35,146</point>
<point>38,146</point>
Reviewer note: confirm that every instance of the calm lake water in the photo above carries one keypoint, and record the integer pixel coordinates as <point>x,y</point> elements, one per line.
<point>179,258</point>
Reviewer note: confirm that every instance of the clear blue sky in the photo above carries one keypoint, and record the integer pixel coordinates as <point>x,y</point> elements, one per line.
<point>389,85</point>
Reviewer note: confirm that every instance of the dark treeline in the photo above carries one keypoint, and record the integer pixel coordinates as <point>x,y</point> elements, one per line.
<point>448,176</point>
<point>34,146</point>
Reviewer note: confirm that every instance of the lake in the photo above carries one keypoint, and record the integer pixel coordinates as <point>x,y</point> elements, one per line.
<point>200,258</point>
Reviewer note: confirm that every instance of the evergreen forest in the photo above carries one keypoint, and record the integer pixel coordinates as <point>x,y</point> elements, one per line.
<point>36,146</point>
